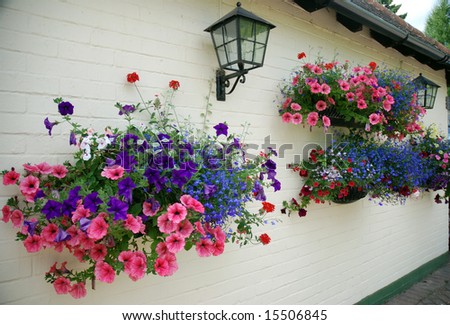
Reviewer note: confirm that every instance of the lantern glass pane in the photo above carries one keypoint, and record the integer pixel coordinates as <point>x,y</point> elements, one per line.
<point>230,31</point>
<point>247,29</point>
<point>218,36</point>
<point>247,50</point>
<point>260,49</point>
<point>262,33</point>
<point>222,55</point>
<point>421,97</point>
<point>232,51</point>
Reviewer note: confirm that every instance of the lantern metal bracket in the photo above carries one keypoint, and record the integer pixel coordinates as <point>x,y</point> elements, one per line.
<point>223,82</point>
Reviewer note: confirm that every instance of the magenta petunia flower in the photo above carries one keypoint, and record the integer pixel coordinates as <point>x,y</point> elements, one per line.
<point>104,272</point>
<point>219,234</point>
<point>6,213</point>
<point>296,107</point>
<point>218,248</point>
<point>287,117</point>
<point>374,118</point>
<point>287,102</point>
<point>361,103</point>
<point>78,290</point>
<point>176,213</point>
<point>325,89</point>
<point>162,267</point>
<point>98,228</point>
<point>204,247</point>
<point>17,218</point>
<point>326,121</point>
<point>33,244</point>
<point>98,252</point>
<point>62,285</point>
<point>11,178</point>
<point>50,232</point>
<point>161,249</point>
<point>44,168</point>
<point>316,88</point>
<point>175,243</point>
<point>137,266</point>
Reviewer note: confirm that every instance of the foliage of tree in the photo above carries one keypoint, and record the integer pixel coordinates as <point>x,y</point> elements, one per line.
<point>438,23</point>
<point>392,7</point>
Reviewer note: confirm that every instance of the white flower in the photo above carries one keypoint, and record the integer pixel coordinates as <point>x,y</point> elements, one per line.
<point>103,143</point>
<point>87,156</point>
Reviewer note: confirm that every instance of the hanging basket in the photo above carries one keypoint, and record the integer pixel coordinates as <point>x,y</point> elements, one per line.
<point>337,119</point>
<point>353,196</point>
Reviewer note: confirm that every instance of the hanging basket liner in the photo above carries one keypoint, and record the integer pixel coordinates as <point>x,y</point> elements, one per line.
<point>353,196</point>
<point>337,119</point>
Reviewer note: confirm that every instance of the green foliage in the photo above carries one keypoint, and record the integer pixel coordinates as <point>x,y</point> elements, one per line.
<point>392,7</point>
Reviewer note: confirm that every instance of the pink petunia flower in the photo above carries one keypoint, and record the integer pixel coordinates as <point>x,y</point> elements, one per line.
<point>381,91</point>
<point>296,107</point>
<point>321,105</point>
<point>204,247</point>
<point>31,168</point>
<point>49,233</point>
<point>316,88</point>
<point>350,96</point>
<point>86,242</point>
<point>374,118</point>
<point>199,228</point>
<point>191,203</point>
<point>134,224</point>
<point>361,103</point>
<point>162,267</point>
<point>33,244</point>
<point>172,261</point>
<point>161,249</point>
<point>297,118</point>
<point>312,119</point>
<point>287,102</point>
<point>345,86</point>
<point>79,254</point>
<point>218,248</point>
<point>74,240</point>
<point>137,267</point>
<point>176,213</point>
<point>219,234</point>
<point>175,243</point>
<point>387,106</point>
<point>78,290</point>
<point>114,173</point>
<point>80,212</point>
<point>98,252</point>
<point>11,178</point>
<point>149,210</point>
<point>165,225</point>
<point>62,285</point>
<point>98,228</point>
<point>17,218</point>
<point>6,212</point>
<point>59,171</point>
<point>286,117</point>
<point>29,185</point>
<point>185,228</point>
<point>104,272</point>
<point>317,70</point>
<point>390,99</point>
<point>325,89</point>
<point>44,168</point>
<point>326,121</point>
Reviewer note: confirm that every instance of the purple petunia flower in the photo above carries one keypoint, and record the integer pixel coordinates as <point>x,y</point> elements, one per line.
<point>125,160</point>
<point>270,165</point>
<point>127,109</point>
<point>154,178</point>
<point>221,128</point>
<point>258,191</point>
<point>118,208</point>
<point>65,108</point>
<point>85,223</point>
<point>52,209</point>
<point>31,226</point>
<point>276,185</point>
<point>49,125</point>
<point>62,236</point>
<point>209,190</point>
<point>126,187</point>
<point>181,177</point>
<point>92,201</point>
<point>72,139</point>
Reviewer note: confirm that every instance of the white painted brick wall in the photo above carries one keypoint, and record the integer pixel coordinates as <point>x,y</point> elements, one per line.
<point>82,50</point>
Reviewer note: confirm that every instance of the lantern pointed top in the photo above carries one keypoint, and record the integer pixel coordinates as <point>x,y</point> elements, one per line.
<point>238,11</point>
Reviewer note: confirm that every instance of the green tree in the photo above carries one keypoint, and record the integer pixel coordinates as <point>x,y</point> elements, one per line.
<point>392,7</point>
<point>438,23</point>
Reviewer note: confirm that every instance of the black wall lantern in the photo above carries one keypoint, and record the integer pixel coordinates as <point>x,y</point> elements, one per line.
<point>427,90</point>
<point>240,41</point>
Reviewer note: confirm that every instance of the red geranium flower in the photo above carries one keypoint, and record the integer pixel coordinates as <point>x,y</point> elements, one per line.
<point>174,84</point>
<point>265,239</point>
<point>132,77</point>
<point>304,173</point>
<point>301,55</point>
<point>268,207</point>
<point>373,65</point>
